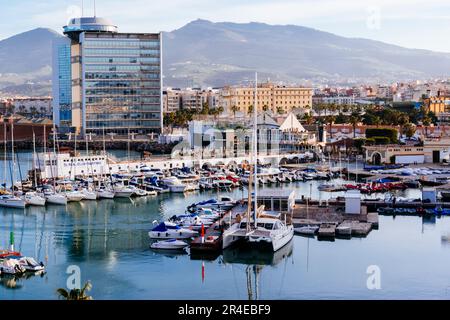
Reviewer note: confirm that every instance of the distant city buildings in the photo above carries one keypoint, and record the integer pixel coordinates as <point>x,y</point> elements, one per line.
<point>175,99</point>
<point>107,81</point>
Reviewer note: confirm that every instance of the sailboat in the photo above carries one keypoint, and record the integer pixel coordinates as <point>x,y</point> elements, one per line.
<point>264,230</point>
<point>9,200</point>
<point>34,198</point>
<point>51,195</point>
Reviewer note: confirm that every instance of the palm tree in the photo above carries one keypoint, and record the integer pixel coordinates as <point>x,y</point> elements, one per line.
<point>280,110</point>
<point>250,109</point>
<point>76,294</point>
<point>265,107</point>
<point>330,119</point>
<point>354,119</point>
<point>235,109</point>
<point>426,122</point>
<point>308,118</point>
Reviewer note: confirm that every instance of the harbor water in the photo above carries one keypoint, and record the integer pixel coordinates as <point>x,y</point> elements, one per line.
<point>108,241</point>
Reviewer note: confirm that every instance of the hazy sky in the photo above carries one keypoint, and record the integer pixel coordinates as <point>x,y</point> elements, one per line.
<point>409,23</point>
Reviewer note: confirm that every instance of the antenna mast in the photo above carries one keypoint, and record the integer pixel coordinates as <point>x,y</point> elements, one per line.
<point>95,10</point>
<point>82,8</point>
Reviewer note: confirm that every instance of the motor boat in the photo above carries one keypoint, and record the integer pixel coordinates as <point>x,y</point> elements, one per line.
<point>11,201</point>
<point>31,265</point>
<point>34,199</point>
<point>306,230</point>
<point>138,192</point>
<point>223,202</point>
<point>174,184</point>
<point>167,230</point>
<point>171,244</point>
<point>11,266</point>
<point>123,192</point>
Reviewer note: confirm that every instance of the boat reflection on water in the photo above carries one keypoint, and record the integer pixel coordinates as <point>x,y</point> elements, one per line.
<point>172,254</point>
<point>15,281</point>
<point>256,259</point>
<point>254,256</point>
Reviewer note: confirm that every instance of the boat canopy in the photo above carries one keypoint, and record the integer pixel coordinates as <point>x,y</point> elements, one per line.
<point>162,227</point>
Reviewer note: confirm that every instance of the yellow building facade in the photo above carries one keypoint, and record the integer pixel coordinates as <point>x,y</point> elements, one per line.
<point>278,99</point>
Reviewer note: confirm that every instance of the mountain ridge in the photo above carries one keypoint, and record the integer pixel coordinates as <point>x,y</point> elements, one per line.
<point>205,53</point>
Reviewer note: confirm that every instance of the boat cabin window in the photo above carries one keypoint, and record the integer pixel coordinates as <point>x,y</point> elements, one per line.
<point>267,226</point>
<point>243,225</point>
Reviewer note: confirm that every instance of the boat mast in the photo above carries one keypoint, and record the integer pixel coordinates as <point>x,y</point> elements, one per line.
<point>255,149</point>
<point>12,154</point>
<point>34,159</point>
<point>4,152</point>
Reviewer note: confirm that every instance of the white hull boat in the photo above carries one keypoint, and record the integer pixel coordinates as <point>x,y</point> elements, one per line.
<point>171,244</point>
<point>11,266</point>
<point>123,192</point>
<point>167,230</point>
<point>33,199</point>
<point>31,265</point>
<point>10,201</point>
<point>75,196</point>
<point>57,198</point>
<point>89,195</point>
<point>105,194</point>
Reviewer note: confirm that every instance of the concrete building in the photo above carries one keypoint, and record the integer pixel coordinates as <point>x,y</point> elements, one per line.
<point>190,99</point>
<point>437,105</point>
<point>270,96</point>
<point>115,79</point>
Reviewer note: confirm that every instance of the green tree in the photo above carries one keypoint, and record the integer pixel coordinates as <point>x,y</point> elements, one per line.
<point>250,109</point>
<point>329,120</point>
<point>235,109</point>
<point>409,130</point>
<point>308,118</point>
<point>75,294</point>
<point>265,107</point>
<point>280,110</point>
<point>354,119</point>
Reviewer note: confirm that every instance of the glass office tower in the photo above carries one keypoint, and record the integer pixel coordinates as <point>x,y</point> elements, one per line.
<point>115,79</point>
<point>62,84</point>
<point>122,85</point>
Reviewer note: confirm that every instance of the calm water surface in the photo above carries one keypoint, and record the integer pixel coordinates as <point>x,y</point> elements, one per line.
<point>108,240</point>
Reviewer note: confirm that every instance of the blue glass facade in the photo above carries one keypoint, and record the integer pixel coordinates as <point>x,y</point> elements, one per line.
<point>65,85</point>
<point>121,83</point>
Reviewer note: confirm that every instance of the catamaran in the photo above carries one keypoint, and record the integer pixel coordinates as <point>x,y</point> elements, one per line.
<point>262,229</point>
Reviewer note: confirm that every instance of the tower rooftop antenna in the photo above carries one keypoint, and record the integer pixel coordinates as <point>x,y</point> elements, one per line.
<point>95,9</point>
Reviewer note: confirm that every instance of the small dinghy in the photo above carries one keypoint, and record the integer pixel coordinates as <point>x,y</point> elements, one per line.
<point>31,265</point>
<point>307,230</point>
<point>11,266</point>
<point>168,230</point>
<point>171,244</point>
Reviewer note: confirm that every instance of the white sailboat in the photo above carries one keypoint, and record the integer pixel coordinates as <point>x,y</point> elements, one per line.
<point>10,200</point>
<point>266,230</point>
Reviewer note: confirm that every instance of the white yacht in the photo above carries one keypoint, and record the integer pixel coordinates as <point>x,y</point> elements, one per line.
<point>174,184</point>
<point>11,201</point>
<point>121,191</point>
